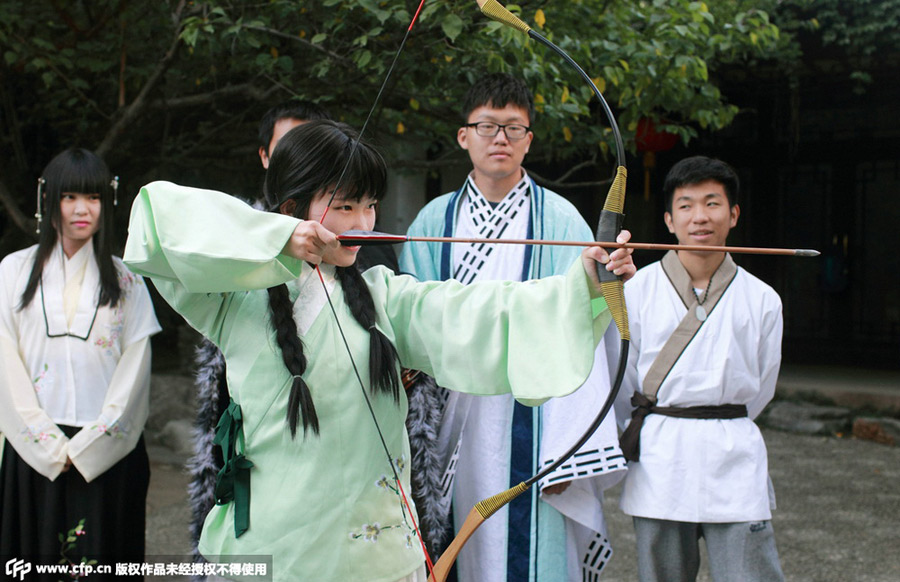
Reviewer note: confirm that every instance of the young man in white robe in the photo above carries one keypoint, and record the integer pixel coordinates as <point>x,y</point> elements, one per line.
<point>555,532</point>
<point>705,355</point>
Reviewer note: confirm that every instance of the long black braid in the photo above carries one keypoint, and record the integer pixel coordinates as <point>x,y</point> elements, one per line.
<point>306,163</point>
<point>383,358</point>
<point>281,314</point>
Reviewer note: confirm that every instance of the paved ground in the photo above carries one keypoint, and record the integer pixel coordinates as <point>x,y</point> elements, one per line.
<point>838,509</point>
<point>838,498</point>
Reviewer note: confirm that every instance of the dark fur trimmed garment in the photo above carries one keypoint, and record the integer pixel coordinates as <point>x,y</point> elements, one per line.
<point>425,405</point>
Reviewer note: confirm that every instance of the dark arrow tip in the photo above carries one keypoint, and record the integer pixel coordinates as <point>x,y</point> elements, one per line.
<point>369,238</point>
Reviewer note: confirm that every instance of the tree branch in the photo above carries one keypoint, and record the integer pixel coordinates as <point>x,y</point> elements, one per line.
<point>451,159</point>
<point>133,111</point>
<point>547,183</point>
<point>575,168</point>
<point>341,59</point>
<point>248,90</point>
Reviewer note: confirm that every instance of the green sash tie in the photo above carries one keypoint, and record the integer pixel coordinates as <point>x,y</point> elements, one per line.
<point>233,481</point>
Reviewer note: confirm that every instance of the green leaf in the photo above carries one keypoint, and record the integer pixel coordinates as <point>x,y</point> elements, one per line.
<point>190,34</point>
<point>286,64</point>
<point>364,58</point>
<point>42,43</point>
<point>452,26</point>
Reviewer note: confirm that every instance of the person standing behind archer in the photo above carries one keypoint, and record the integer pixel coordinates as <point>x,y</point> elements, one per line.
<point>75,329</point>
<point>556,532</point>
<point>705,355</point>
<point>282,118</point>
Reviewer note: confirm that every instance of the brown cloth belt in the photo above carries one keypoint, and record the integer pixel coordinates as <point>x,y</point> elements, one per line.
<point>630,441</point>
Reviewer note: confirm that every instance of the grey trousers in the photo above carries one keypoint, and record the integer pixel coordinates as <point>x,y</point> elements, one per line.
<point>669,551</point>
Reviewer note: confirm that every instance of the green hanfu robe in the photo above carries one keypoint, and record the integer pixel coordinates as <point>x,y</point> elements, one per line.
<point>325,506</point>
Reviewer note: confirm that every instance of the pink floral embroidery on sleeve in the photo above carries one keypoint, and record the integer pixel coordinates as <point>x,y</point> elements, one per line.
<point>40,378</point>
<point>36,434</point>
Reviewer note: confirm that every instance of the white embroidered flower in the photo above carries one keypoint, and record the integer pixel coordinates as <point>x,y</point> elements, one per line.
<point>371,532</point>
<point>126,279</point>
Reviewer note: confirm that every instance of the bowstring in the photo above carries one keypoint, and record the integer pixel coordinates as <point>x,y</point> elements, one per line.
<point>372,110</point>
<point>387,451</point>
<point>337,321</point>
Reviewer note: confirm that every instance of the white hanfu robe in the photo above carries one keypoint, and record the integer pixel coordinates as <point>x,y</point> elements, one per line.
<point>702,470</point>
<point>68,362</point>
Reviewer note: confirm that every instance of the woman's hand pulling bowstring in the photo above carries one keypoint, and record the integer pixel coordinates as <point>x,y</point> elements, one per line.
<point>310,242</point>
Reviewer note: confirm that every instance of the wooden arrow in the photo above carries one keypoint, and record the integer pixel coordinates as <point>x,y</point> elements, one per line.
<point>371,238</point>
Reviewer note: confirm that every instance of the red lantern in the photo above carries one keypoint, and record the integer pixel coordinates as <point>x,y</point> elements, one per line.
<point>649,141</point>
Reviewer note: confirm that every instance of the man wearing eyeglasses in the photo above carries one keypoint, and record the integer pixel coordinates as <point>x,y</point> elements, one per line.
<point>555,531</point>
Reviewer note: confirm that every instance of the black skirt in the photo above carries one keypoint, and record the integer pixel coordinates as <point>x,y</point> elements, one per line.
<point>37,515</point>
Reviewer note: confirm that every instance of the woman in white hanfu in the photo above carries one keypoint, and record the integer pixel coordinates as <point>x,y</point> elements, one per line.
<point>75,329</point>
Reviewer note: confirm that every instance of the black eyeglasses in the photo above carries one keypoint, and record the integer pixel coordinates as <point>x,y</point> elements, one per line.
<point>513,131</point>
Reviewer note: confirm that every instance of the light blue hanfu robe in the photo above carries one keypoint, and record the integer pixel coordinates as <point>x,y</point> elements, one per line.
<point>539,537</point>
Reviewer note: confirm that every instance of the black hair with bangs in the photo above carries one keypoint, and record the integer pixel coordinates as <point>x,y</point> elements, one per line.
<point>496,91</point>
<point>699,169</point>
<point>81,171</point>
<point>310,161</point>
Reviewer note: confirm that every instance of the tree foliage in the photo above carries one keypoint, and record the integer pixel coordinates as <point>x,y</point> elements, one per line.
<point>174,89</point>
<point>863,35</point>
